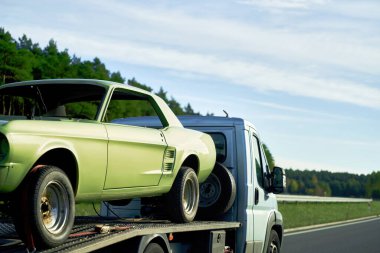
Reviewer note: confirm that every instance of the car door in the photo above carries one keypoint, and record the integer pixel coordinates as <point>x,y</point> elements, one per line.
<point>263,204</point>
<point>135,153</point>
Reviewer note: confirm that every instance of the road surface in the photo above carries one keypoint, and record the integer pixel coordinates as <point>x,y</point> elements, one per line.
<point>363,236</point>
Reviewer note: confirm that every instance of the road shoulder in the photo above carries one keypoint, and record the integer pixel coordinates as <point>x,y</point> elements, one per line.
<point>331,224</point>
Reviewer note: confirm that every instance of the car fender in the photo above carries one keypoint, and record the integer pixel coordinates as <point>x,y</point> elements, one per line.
<point>27,145</point>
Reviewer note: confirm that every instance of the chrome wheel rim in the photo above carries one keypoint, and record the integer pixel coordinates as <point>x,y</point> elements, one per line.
<point>273,248</point>
<point>189,196</point>
<point>54,207</point>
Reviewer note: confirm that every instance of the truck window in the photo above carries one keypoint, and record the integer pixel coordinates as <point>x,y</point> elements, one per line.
<point>258,160</point>
<point>220,146</point>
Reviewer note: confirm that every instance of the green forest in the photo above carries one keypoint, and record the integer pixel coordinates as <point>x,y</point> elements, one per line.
<point>21,59</point>
<point>326,183</point>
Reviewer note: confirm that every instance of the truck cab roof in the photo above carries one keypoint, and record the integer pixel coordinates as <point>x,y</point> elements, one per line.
<point>189,121</point>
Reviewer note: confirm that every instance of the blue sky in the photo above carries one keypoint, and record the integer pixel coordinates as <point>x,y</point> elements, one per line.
<point>305,72</point>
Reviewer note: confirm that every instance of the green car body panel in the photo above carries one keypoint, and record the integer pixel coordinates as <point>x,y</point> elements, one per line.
<point>104,160</point>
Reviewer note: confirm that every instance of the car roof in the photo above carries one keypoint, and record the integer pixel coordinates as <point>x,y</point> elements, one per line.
<point>102,83</point>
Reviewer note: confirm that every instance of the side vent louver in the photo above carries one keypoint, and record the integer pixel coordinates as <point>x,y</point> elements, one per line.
<point>169,159</point>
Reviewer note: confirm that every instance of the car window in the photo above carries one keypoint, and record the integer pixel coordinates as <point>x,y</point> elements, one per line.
<point>130,109</point>
<point>265,161</point>
<point>80,101</point>
<point>220,146</point>
<point>15,105</point>
<point>82,109</point>
<point>257,153</point>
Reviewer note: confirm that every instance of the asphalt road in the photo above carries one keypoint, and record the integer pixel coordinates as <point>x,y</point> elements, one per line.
<point>356,237</point>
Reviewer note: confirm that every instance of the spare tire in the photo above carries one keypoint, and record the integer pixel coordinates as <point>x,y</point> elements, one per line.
<point>217,193</point>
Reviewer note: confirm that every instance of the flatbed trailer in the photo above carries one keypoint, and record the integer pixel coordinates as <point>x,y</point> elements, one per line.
<point>92,234</point>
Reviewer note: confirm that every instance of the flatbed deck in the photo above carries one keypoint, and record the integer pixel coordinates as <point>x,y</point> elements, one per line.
<point>87,236</point>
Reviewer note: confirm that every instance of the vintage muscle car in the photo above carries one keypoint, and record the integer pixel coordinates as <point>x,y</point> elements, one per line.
<point>61,143</point>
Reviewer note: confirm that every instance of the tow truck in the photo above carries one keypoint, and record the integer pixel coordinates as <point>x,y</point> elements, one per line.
<point>252,223</point>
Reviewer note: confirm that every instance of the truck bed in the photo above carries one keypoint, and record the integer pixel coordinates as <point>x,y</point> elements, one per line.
<point>86,235</point>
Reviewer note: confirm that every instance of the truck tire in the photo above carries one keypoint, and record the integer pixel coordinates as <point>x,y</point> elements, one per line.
<point>217,193</point>
<point>154,248</point>
<point>50,207</point>
<point>121,202</point>
<point>274,243</point>
<point>183,199</point>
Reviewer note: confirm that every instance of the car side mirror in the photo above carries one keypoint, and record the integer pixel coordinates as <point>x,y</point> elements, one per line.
<point>278,180</point>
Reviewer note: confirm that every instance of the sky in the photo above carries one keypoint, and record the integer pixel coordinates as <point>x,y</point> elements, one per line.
<point>305,72</point>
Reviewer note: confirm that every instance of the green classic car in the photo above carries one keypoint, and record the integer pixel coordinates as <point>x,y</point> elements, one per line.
<point>61,143</point>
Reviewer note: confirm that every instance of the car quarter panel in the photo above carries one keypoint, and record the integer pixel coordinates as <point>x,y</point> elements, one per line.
<point>189,142</point>
<point>87,142</point>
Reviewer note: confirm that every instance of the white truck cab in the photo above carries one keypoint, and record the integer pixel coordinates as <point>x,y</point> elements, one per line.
<point>239,148</point>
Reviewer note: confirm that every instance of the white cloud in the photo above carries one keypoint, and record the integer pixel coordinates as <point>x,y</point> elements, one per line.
<point>264,58</point>
<point>311,114</point>
<point>283,4</point>
<point>251,74</point>
<point>364,9</point>
<point>232,39</point>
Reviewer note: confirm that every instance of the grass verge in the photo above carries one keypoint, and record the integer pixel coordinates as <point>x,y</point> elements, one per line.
<point>306,214</point>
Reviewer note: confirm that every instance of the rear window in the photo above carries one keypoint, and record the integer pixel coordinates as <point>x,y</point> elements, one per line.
<point>220,146</point>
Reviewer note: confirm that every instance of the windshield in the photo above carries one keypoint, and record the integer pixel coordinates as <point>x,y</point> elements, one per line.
<point>80,101</point>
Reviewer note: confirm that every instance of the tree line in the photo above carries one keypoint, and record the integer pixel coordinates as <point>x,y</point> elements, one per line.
<point>21,60</point>
<point>336,184</point>
<point>329,184</point>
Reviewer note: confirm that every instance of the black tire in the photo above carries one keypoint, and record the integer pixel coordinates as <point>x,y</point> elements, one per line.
<point>154,248</point>
<point>274,244</point>
<point>183,199</point>
<point>217,193</point>
<point>50,207</point>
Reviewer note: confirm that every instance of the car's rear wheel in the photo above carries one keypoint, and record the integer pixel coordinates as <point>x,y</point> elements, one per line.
<point>50,207</point>
<point>183,199</point>
<point>217,193</point>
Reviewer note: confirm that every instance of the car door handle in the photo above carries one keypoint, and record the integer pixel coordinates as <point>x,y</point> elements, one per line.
<point>256,196</point>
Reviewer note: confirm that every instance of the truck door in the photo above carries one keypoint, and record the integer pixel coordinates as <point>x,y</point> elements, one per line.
<point>263,202</point>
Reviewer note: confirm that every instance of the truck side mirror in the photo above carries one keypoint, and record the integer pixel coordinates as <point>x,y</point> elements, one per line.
<point>278,183</point>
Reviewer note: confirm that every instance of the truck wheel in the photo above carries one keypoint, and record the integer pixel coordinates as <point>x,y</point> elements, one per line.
<point>154,248</point>
<point>217,193</point>
<point>121,202</point>
<point>274,243</point>
<point>50,206</point>
<point>183,199</point>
